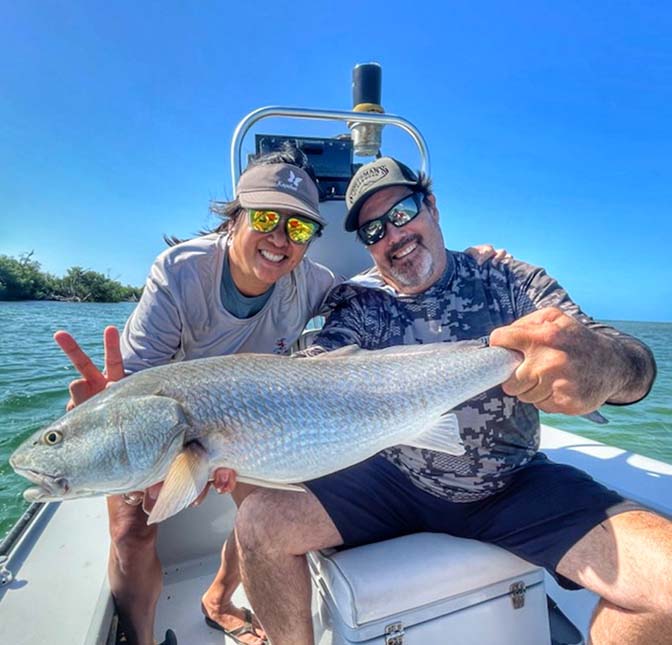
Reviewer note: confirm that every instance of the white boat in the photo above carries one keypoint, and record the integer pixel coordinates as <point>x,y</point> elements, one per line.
<point>418,589</point>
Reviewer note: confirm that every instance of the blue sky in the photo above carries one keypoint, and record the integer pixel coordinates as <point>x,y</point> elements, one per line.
<point>549,124</point>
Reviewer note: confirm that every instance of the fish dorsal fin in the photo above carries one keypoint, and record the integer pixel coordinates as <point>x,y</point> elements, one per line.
<point>346,350</point>
<point>266,484</point>
<point>444,347</point>
<point>442,436</point>
<point>401,350</point>
<point>186,479</point>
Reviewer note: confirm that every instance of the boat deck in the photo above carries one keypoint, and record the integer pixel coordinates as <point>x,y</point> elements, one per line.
<point>179,607</point>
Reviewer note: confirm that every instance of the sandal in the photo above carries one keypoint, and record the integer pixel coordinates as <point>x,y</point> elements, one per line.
<point>170,638</point>
<point>234,634</point>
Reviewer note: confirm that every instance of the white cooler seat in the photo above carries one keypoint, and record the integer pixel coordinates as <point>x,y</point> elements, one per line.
<point>429,588</point>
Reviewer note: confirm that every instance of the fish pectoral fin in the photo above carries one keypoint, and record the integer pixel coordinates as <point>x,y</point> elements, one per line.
<point>186,478</point>
<point>266,484</point>
<point>443,436</point>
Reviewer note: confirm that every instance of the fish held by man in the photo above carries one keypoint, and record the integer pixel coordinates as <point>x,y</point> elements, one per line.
<point>277,421</point>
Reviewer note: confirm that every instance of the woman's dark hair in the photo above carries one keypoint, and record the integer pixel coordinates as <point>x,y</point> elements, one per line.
<point>229,211</point>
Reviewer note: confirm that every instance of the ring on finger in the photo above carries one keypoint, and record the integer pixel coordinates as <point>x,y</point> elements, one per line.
<point>133,499</point>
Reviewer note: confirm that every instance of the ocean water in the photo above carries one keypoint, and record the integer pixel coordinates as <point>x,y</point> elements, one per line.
<point>34,375</point>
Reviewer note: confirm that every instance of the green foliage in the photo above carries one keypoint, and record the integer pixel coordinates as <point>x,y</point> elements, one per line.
<point>23,279</point>
<point>80,284</point>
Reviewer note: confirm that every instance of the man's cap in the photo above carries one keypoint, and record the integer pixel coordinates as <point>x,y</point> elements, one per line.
<point>369,179</point>
<point>279,186</point>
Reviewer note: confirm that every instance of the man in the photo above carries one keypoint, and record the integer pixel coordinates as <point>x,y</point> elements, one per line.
<point>501,491</point>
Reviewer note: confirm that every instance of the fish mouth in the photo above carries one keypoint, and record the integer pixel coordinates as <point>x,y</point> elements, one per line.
<point>48,486</point>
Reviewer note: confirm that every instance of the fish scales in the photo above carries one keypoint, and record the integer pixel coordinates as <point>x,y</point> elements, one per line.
<point>276,419</point>
<point>268,425</point>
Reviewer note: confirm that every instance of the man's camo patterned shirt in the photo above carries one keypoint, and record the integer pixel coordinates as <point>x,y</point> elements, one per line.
<point>500,433</point>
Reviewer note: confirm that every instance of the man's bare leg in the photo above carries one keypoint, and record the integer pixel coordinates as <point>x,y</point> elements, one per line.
<point>627,560</point>
<point>216,601</point>
<point>134,570</point>
<point>275,529</point>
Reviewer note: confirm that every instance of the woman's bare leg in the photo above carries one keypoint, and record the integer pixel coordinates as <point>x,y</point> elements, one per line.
<point>134,570</point>
<point>217,600</point>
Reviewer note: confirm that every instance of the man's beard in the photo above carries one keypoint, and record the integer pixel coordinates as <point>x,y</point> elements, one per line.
<point>417,269</point>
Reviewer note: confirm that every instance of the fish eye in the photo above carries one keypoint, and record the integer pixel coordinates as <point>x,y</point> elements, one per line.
<point>52,437</point>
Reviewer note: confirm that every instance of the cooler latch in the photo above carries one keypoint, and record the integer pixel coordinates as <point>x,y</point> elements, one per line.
<point>394,634</point>
<point>517,593</point>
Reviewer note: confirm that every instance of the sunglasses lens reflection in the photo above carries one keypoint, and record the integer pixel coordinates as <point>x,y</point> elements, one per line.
<point>299,230</point>
<point>372,231</point>
<point>399,215</point>
<point>264,221</point>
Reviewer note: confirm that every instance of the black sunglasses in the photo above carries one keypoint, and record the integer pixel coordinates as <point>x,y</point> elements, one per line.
<point>403,212</point>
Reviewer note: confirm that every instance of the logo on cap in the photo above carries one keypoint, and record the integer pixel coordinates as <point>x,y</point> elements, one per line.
<point>365,179</point>
<point>292,182</point>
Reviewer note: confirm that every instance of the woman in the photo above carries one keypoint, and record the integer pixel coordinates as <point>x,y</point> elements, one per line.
<point>245,287</point>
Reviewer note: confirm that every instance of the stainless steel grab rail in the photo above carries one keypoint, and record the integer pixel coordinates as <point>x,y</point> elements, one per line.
<point>325,115</point>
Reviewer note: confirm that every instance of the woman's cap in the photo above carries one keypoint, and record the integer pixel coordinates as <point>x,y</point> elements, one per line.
<point>279,186</point>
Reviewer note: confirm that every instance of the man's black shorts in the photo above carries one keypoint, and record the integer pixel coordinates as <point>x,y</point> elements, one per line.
<point>542,513</point>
